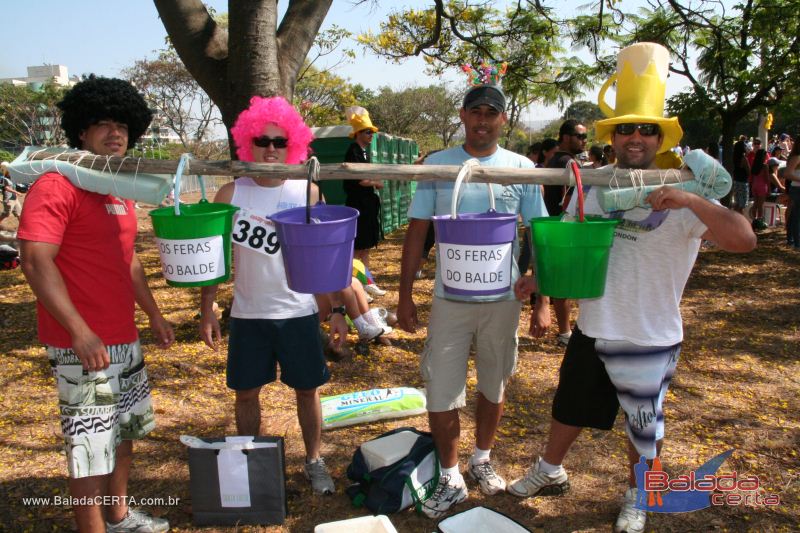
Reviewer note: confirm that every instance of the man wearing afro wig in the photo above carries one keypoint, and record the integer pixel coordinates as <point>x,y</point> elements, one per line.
<point>271,325</point>
<point>80,262</point>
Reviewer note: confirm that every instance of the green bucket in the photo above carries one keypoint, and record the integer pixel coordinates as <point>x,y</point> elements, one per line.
<point>194,240</point>
<point>572,256</point>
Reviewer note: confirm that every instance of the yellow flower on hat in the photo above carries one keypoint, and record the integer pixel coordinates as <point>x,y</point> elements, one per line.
<point>641,77</point>
<point>359,120</point>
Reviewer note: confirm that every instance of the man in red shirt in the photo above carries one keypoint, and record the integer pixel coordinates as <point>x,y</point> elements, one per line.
<point>80,262</point>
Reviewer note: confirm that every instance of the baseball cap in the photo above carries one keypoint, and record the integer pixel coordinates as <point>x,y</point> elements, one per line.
<point>485,94</point>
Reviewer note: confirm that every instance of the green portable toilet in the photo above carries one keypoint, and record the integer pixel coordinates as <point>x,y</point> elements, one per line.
<point>330,144</point>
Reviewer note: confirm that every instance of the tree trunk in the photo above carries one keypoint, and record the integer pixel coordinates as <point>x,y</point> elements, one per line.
<point>254,57</point>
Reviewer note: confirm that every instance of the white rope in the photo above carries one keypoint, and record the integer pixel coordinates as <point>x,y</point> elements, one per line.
<point>614,186</point>
<point>464,175</point>
<point>135,174</point>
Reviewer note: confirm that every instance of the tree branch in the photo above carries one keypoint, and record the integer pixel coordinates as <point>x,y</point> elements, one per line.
<point>295,36</point>
<point>201,44</point>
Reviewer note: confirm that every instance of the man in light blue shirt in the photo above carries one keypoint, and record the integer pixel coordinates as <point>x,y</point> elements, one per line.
<point>457,319</point>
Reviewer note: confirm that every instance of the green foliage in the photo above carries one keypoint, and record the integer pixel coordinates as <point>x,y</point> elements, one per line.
<point>700,124</point>
<point>523,35</point>
<point>417,112</point>
<point>787,115</point>
<point>30,116</point>
<point>321,97</point>
<point>148,152</point>
<point>180,102</point>
<point>518,141</point>
<point>7,156</point>
<point>585,112</point>
<point>747,56</point>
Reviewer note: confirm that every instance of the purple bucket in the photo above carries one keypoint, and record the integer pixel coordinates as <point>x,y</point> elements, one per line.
<point>318,257</point>
<point>475,250</point>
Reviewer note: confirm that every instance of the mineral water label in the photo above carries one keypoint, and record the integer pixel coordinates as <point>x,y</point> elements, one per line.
<point>255,232</point>
<point>192,260</point>
<point>476,267</point>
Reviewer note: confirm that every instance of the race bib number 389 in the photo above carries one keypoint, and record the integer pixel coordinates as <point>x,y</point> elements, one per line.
<point>256,233</point>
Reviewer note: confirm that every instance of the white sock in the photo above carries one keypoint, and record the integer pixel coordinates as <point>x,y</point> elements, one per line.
<point>360,323</point>
<point>547,468</point>
<point>456,479</point>
<point>480,456</point>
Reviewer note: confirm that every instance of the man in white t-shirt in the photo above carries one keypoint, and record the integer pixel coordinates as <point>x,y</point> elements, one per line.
<point>625,346</point>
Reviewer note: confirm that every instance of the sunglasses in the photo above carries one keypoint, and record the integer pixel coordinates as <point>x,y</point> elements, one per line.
<point>367,132</point>
<point>645,130</point>
<point>264,141</point>
<point>581,136</point>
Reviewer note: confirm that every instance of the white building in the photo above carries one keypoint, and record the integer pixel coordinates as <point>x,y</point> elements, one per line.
<point>159,134</point>
<point>39,75</point>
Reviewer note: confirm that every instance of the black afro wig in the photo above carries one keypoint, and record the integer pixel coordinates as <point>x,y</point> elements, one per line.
<point>95,99</point>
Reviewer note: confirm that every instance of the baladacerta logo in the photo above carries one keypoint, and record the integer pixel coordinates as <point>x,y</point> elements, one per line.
<point>699,489</point>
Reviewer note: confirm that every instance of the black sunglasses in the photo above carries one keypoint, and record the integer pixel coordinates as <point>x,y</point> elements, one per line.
<point>581,136</point>
<point>645,130</point>
<point>264,141</point>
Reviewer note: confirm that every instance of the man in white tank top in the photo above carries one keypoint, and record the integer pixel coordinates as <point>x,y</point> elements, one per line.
<point>270,324</point>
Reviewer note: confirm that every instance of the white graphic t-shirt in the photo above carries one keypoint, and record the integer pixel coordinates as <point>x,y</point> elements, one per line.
<point>650,261</point>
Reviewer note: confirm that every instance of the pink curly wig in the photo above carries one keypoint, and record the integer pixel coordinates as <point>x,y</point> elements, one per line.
<point>262,111</point>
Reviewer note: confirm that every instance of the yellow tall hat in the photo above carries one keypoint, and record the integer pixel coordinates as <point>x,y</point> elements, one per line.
<point>358,117</point>
<point>641,78</point>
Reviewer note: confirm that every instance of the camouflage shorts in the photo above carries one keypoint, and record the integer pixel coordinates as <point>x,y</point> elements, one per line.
<point>100,409</point>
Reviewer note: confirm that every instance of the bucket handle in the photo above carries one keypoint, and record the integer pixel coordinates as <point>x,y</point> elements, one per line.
<point>464,175</point>
<point>576,173</point>
<point>176,186</point>
<point>313,175</point>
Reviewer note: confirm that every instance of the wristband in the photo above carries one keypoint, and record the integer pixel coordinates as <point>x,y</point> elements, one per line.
<point>339,309</point>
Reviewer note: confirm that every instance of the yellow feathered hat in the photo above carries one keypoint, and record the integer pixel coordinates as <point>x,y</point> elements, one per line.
<point>359,120</point>
<point>641,78</point>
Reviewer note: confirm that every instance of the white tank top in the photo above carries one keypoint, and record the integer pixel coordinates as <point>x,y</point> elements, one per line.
<point>260,289</point>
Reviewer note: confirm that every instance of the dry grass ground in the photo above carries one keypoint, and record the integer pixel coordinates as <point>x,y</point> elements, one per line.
<point>737,387</point>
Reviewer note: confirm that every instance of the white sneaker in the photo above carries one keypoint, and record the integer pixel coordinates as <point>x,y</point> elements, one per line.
<point>389,318</point>
<point>136,521</point>
<point>538,483</point>
<point>317,473</point>
<point>373,290</point>
<point>445,496</point>
<point>370,331</point>
<point>488,480</point>
<point>376,317</point>
<point>630,519</point>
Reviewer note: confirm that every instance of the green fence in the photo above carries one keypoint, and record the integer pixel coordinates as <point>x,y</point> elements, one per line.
<point>331,143</point>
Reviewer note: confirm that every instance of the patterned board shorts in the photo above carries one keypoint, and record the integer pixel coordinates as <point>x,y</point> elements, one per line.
<point>100,409</point>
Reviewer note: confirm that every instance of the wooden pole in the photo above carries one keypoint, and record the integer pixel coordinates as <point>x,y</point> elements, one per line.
<point>357,171</point>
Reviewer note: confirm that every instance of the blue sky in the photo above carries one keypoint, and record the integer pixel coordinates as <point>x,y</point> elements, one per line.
<point>106,36</point>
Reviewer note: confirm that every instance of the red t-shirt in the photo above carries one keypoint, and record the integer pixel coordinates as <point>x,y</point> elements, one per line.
<point>96,234</point>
